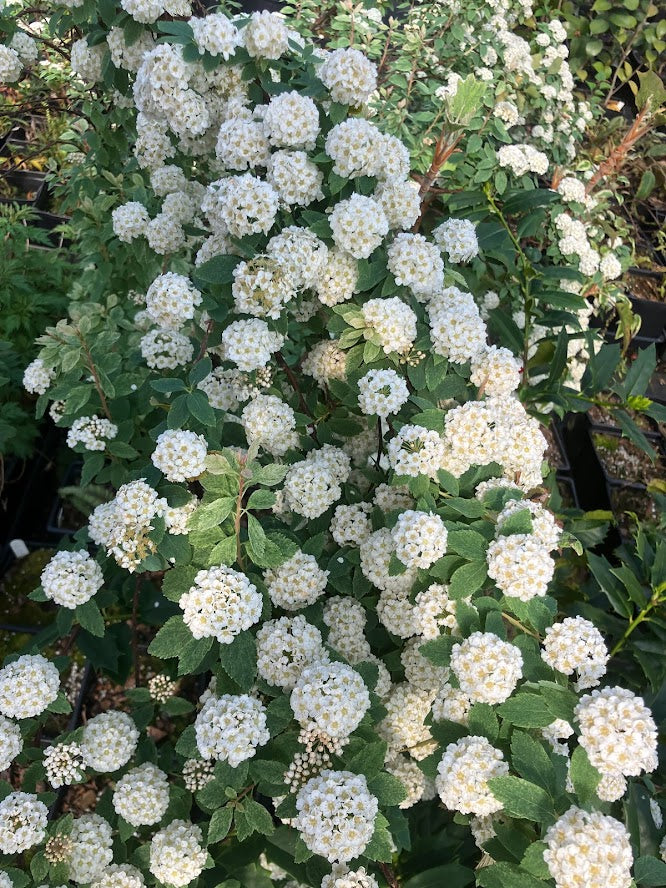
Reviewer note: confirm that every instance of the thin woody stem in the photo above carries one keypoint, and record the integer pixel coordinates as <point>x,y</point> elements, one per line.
<point>618,156</point>
<point>93,370</point>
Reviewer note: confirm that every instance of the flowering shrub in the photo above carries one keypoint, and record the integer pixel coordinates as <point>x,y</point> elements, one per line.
<point>328,504</point>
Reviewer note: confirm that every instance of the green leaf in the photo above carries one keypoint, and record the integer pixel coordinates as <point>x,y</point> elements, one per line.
<point>387,789</point>
<point>220,824</point>
<point>438,650</point>
<point>170,639</point>
<point>177,581</point>
<point>380,846</point>
<point>269,475</point>
<point>89,617</point>
<point>39,867</point>
<point>261,499</point>
<point>448,482</point>
<point>168,385</point>
<point>239,659</point>
<point>584,776</point>
<point>533,861</point>
<point>650,871</point>
<point>200,409</point>
<point>467,579</point>
<point>525,710</point>
<point>506,875</point>
<point>212,514</point>
<point>256,535</point>
<point>468,543</point>
<point>218,270</point>
<point>258,818</point>
<point>192,654</point>
<point>177,706</point>
<point>520,798</point>
<point>531,760</point>
<point>519,521</point>
<point>483,722</point>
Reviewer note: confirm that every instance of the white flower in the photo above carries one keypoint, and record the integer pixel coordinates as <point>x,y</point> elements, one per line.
<point>576,645</point>
<point>285,647</point>
<point>419,538</point>
<point>250,344</point>
<point>333,696</point>
<point>37,377</point>
<point>11,742</point>
<point>336,815</point>
<point>141,796</point>
<point>130,221</point>
<point>91,854</point>
<point>457,238</point>
<point>266,36</point>
<point>230,728</point>
<point>215,34</point>
<point>617,731</point>
<point>122,875</point>
<point>177,855</point>
<point>463,774</point>
<point>22,822</point>
<point>358,225</point>
<point>392,321</point>
<point>164,349</point>
<point>349,76</point>
<point>27,686</point>
<point>92,432</point>
<point>222,603</point>
<point>520,565</point>
<point>71,578</point>
<point>109,741</point>
<point>591,843</point>
<point>297,582</point>
<point>180,454</point>
<point>171,300</point>
<point>496,371</point>
<point>417,264</point>
<point>63,764</point>
<point>292,121</point>
<point>382,392</point>
<point>487,668</point>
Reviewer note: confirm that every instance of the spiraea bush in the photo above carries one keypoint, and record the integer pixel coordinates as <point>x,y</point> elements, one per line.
<point>328,504</point>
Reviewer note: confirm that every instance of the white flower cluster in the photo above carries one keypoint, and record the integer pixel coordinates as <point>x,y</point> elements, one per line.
<point>522,159</point>
<point>496,371</point>
<point>457,238</point>
<point>588,842</point>
<point>382,392</point>
<point>91,852</point>
<point>359,225</point>
<point>312,485</point>
<point>63,764</point>
<point>164,349</point>
<point>22,822</point>
<point>250,344</point>
<point>285,647</point>
<point>393,322</point>
<point>11,66</point>
<point>130,220</point>
<point>109,740</point>
<point>576,645</point>
<point>37,377</point>
<point>351,525</point>
<point>119,875</point>
<point>618,733</point>
<point>416,451</point>
<point>487,668</point>
<point>180,455</point>
<point>419,538</point>
<point>463,774</point>
<point>222,603</point>
<point>122,525</point>
<point>404,727</point>
<point>520,565</point>
<point>197,774</point>
<point>71,578</point>
<point>177,855</point>
<point>11,742</point>
<point>270,424</point>
<point>171,300</point>
<point>28,686</point>
<point>161,688</point>
<point>336,815</point>
<point>92,432</point>
<point>298,582</point>
<point>230,728</point>
<point>141,796</point>
<point>333,696</point>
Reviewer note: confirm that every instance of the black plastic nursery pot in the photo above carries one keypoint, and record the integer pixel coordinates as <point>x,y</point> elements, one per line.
<point>656,390</point>
<point>653,318</point>
<point>556,453</point>
<point>567,489</point>
<point>50,223</point>
<point>23,188</point>
<point>623,463</point>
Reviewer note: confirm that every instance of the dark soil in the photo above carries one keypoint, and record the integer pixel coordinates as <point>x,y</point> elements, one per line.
<point>625,461</point>
<point>624,499</point>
